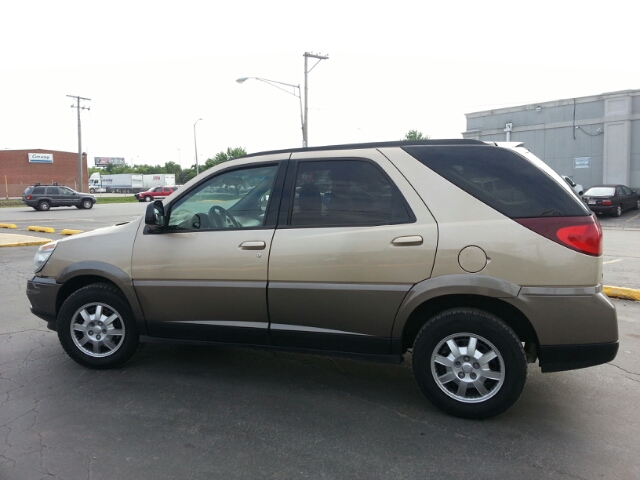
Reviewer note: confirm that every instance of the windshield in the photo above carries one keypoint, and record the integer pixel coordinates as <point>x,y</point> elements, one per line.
<point>601,192</point>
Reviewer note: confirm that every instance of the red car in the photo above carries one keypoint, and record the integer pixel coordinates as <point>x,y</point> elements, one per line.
<point>155,193</point>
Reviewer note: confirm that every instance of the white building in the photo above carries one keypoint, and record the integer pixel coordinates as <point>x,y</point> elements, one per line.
<point>593,139</point>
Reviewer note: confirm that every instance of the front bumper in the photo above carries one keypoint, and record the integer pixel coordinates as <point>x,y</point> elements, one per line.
<point>42,293</point>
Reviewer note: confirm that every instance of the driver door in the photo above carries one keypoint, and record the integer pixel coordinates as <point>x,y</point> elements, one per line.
<point>204,276</point>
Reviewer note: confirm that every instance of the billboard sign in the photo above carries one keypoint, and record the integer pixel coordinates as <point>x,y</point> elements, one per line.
<point>102,161</point>
<point>41,158</point>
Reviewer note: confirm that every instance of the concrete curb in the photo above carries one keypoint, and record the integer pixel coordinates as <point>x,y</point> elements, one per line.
<point>41,229</point>
<point>622,293</point>
<point>8,225</point>
<point>66,231</point>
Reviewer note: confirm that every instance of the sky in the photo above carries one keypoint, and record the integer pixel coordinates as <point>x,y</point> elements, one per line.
<point>152,69</point>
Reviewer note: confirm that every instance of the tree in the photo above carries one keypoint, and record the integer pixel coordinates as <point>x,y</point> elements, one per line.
<point>222,157</point>
<point>415,135</point>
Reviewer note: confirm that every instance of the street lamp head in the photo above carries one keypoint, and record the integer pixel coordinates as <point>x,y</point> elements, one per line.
<point>242,80</point>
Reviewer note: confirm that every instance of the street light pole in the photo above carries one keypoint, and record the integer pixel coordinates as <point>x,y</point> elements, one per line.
<point>195,144</point>
<point>305,123</point>
<point>275,83</point>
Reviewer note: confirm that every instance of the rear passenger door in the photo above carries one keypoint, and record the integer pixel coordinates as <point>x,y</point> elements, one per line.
<point>352,239</point>
<point>54,194</point>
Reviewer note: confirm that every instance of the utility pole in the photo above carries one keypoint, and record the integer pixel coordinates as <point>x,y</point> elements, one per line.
<point>77,106</point>
<point>305,123</point>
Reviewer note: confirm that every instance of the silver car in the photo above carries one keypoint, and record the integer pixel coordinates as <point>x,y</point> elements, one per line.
<point>474,257</point>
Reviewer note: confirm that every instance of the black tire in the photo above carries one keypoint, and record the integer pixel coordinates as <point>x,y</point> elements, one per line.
<point>107,341</point>
<point>618,211</point>
<point>637,207</point>
<point>471,385</point>
<point>44,205</point>
<point>147,198</point>
<point>92,190</point>
<point>87,204</point>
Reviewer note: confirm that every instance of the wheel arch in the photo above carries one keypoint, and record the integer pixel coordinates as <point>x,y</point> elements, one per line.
<point>82,274</point>
<point>433,296</point>
<point>509,314</point>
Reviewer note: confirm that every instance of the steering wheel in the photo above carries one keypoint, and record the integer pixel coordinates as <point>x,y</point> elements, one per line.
<point>221,218</point>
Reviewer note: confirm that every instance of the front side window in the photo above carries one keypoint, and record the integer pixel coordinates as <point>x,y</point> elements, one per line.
<point>345,192</point>
<point>66,191</point>
<point>230,200</point>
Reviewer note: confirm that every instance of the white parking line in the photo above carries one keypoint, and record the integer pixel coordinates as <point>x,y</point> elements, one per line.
<point>633,218</point>
<point>612,261</point>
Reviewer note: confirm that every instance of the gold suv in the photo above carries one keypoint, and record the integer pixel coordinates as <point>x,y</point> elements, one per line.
<point>369,251</point>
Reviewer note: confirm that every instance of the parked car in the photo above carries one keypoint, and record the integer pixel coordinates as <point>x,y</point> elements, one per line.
<point>155,193</point>
<point>612,199</point>
<point>575,186</point>
<point>43,197</point>
<point>368,251</point>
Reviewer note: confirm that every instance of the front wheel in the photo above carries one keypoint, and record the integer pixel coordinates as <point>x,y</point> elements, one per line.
<point>96,327</point>
<point>147,198</point>
<point>637,207</point>
<point>87,204</point>
<point>469,364</point>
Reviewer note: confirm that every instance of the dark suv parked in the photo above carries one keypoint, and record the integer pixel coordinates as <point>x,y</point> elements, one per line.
<point>43,197</point>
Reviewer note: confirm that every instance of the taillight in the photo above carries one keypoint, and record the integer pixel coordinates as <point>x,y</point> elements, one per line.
<point>606,202</point>
<point>28,197</point>
<point>582,234</point>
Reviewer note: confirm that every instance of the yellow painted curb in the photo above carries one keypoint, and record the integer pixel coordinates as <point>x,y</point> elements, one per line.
<point>8,225</point>
<point>70,232</point>
<point>41,229</point>
<point>44,241</point>
<point>621,292</point>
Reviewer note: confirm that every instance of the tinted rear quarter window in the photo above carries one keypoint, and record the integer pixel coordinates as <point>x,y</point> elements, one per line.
<point>502,179</point>
<point>38,191</point>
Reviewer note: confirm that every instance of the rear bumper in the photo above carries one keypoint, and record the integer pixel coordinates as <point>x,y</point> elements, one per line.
<point>557,358</point>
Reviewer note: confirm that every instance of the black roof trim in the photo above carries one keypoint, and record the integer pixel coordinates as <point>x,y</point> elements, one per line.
<point>356,146</point>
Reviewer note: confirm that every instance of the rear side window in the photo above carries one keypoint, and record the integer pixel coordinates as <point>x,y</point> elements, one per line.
<point>346,192</point>
<point>53,191</point>
<point>501,178</point>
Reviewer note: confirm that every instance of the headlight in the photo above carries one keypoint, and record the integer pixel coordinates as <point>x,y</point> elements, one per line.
<point>42,255</point>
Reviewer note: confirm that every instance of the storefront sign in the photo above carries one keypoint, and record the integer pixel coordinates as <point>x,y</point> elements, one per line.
<point>582,162</point>
<point>41,158</point>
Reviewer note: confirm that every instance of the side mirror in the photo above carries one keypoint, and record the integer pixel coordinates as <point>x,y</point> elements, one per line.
<point>154,216</point>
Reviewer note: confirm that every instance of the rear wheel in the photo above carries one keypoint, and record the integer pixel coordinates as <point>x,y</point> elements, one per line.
<point>469,364</point>
<point>44,205</point>
<point>96,327</point>
<point>637,207</point>
<point>618,211</point>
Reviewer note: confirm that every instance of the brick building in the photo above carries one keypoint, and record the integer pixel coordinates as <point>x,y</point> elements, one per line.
<point>21,168</point>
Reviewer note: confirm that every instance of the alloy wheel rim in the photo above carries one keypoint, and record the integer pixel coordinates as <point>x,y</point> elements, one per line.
<point>468,367</point>
<point>97,330</point>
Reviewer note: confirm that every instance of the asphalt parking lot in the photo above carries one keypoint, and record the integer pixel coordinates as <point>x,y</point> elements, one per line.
<point>213,412</point>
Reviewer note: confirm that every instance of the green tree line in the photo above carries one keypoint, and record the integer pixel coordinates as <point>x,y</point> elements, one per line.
<point>183,175</point>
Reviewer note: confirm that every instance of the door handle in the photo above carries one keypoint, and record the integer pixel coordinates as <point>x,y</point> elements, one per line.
<point>407,241</point>
<point>259,245</point>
